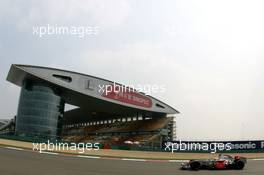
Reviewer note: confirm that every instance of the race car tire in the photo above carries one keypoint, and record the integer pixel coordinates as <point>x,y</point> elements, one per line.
<point>239,165</point>
<point>195,165</point>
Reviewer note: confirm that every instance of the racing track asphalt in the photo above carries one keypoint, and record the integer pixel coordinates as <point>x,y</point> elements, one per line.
<point>15,162</point>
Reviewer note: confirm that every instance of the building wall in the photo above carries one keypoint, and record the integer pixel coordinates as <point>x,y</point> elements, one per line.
<point>39,110</point>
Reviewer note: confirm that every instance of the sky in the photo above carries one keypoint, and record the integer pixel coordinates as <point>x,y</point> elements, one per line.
<point>209,55</point>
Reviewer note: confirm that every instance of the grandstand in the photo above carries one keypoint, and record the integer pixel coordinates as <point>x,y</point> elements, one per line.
<point>119,131</point>
<point>6,126</point>
<point>110,116</point>
<point>3,122</point>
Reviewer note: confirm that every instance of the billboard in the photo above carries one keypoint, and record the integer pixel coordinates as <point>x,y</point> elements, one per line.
<point>126,95</point>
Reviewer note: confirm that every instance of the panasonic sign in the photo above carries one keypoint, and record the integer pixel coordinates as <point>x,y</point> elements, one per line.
<point>242,146</point>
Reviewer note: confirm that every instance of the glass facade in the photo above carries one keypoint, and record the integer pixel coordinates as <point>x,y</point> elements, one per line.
<point>40,110</point>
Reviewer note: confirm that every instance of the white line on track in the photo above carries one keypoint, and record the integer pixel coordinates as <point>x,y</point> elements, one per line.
<point>89,157</point>
<point>14,148</point>
<point>97,157</point>
<point>178,161</point>
<point>258,159</point>
<point>139,160</point>
<point>52,153</point>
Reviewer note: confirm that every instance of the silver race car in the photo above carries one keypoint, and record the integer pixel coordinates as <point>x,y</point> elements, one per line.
<point>220,163</point>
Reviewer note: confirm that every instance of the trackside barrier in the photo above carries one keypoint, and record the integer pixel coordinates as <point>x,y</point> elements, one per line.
<point>255,146</point>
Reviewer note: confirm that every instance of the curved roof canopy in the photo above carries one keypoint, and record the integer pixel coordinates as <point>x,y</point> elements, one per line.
<point>93,95</point>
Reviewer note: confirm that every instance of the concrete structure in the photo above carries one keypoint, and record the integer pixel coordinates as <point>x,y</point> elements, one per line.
<point>44,92</point>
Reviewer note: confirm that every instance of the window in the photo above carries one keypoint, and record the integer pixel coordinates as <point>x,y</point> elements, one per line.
<point>63,78</point>
<point>160,106</point>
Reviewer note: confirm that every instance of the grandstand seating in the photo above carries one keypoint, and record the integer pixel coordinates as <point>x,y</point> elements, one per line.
<point>117,132</point>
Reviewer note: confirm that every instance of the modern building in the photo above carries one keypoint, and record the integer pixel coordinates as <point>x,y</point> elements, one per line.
<point>100,102</point>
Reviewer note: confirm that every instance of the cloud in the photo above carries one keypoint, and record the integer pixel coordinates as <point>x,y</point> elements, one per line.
<point>217,90</point>
<point>208,54</point>
<point>104,13</point>
<point>132,60</point>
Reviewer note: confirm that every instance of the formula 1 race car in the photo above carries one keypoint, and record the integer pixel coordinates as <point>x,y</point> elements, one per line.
<point>220,163</point>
